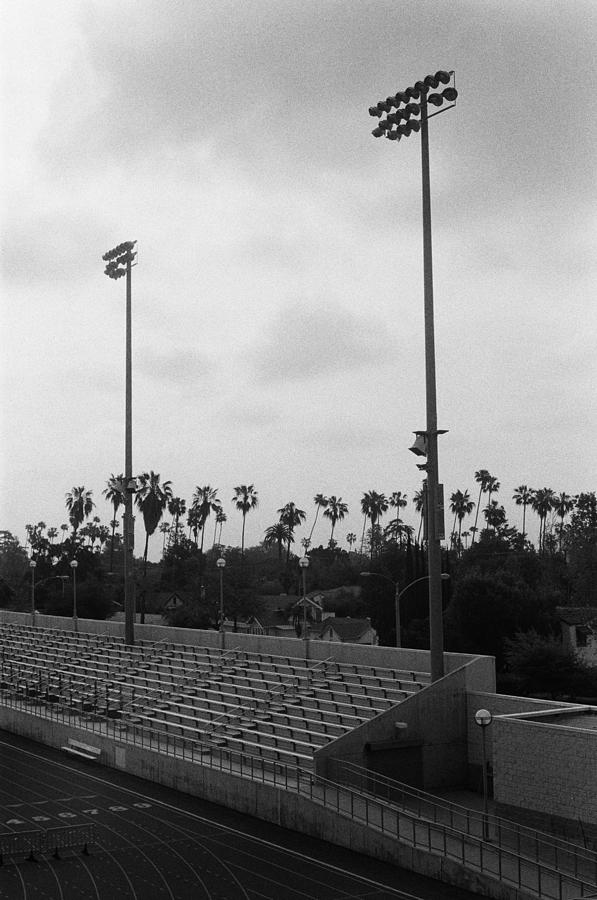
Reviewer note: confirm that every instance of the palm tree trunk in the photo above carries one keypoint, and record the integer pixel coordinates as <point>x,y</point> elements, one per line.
<point>363,534</point>
<point>242,539</point>
<point>477,516</point>
<point>145,554</point>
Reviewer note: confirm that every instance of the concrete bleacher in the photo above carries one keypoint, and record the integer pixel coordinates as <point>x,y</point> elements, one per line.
<point>272,706</point>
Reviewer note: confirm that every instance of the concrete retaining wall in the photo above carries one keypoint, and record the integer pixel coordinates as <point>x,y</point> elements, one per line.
<point>435,718</point>
<point>390,657</point>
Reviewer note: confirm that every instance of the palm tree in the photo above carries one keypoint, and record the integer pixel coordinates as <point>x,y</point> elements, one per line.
<point>79,505</point>
<point>335,512</point>
<point>278,534</point>
<point>52,533</point>
<point>522,496</point>
<point>542,502</point>
<point>461,505</point>
<point>373,506</point>
<point>562,505</point>
<point>291,516</point>
<point>114,495</point>
<point>482,477</point>
<point>221,518</point>
<point>419,501</point>
<point>63,529</point>
<point>495,515</point>
<point>245,499</point>
<point>177,508</point>
<point>492,487</point>
<point>205,501</point>
<point>320,502</point>
<point>152,499</point>
<point>351,539</point>
<point>165,529</point>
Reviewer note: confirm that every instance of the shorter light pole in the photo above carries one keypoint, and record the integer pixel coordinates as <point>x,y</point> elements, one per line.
<point>32,566</point>
<point>398,595</point>
<point>483,718</point>
<point>73,565</point>
<point>221,564</point>
<point>304,564</point>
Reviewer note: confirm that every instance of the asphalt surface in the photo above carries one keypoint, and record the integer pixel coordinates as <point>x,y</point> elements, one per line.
<point>155,843</point>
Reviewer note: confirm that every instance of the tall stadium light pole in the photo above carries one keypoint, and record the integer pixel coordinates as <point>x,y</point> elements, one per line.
<point>32,566</point>
<point>403,116</point>
<point>119,262</point>
<point>73,566</point>
<point>221,564</point>
<point>304,565</point>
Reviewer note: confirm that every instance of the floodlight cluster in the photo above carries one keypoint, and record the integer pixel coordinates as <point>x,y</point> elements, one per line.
<point>119,259</point>
<point>401,110</point>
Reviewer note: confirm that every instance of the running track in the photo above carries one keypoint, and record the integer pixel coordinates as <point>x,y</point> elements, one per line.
<point>157,844</point>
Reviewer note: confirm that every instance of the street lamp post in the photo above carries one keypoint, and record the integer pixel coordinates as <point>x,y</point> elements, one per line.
<point>483,718</point>
<point>304,564</point>
<point>444,576</point>
<point>221,564</point>
<point>119,262</point>
<point>73,566</point>
<point>32,566</point>
<point>414,116</point>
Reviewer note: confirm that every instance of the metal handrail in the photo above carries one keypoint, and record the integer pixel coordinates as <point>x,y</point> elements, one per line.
<point>500,824</point>
<point>531,874</point>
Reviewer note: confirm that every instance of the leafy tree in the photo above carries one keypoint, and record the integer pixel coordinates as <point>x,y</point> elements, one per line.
<point>539,664</point>
<point>14,565</point>
<point>335,512</point>
<point>245,499</point>
<point>79,505</point>
<point>581,549</point>
<point>189,616</point>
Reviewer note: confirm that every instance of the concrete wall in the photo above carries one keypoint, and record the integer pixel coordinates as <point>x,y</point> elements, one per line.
<point>264,801</point>
<point>546,767</point>
<point>498,705</point>
<point>435,717</point>
<point>384,657</point>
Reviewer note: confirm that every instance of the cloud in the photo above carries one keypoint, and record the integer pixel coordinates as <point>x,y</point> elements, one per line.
<point>305,342</point>
<point>181,367</point>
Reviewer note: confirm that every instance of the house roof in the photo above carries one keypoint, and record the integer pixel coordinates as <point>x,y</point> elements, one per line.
<point>347,629</point>
<point>577,615</point>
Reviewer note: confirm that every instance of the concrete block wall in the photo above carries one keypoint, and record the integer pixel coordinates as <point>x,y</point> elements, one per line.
<point>547,768</point>
<point>498,705</point>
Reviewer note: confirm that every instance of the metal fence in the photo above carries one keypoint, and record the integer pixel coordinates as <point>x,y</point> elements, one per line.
<point>550,872</point>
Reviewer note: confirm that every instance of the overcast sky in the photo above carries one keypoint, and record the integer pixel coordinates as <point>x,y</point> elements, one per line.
<point>278,331</point>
